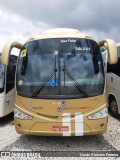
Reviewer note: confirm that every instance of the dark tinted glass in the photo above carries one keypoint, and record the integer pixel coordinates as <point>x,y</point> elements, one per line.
<point>10,77</point>
<point>78,65</point>
<point>2,68</point>
<point>115,68</point>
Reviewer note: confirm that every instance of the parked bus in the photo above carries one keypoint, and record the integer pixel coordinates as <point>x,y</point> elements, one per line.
<point>7,76</point>
<point>60,84</point>
<point>113,82</point>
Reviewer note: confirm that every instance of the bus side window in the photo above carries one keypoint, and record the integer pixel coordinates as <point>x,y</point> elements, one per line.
<point>10,76</point>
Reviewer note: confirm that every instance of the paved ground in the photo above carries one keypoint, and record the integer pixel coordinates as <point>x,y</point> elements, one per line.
<point>11,141</point>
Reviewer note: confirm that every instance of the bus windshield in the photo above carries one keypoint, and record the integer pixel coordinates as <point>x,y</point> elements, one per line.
<point>60,68</point>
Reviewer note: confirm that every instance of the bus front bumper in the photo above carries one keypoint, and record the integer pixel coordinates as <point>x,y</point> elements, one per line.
<point>53,128</point>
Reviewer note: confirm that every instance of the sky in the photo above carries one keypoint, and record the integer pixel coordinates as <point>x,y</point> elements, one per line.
<point>20,19</point>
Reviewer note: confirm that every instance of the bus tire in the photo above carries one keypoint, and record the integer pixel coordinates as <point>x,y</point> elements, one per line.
<point>113,107</point>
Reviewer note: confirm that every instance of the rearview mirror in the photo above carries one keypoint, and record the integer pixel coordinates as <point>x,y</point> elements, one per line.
<point>7,50</point>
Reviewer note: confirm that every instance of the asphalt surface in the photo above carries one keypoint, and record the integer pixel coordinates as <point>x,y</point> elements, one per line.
<point>11,141</point>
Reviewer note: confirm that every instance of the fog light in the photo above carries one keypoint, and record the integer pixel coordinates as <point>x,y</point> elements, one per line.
<point>18,125</point>
<point>102,125</point>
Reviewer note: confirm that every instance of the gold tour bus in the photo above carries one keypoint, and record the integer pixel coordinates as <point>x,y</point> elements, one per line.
<point>61,83</point>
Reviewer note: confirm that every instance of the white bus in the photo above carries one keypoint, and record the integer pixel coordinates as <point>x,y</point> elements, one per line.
<point>113,82</point>
<point>7,76</point>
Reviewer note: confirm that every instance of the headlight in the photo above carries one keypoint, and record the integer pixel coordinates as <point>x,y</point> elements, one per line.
<point>20,115</point>
<point>98,115</point>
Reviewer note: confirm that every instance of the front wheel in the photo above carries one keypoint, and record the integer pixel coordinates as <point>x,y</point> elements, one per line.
<point>113,107</point>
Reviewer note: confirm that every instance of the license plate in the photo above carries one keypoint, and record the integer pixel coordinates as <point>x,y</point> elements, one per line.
<point>60,128</point>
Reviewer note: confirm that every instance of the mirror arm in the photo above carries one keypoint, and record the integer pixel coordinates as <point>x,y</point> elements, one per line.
<point>7,50</point>
<point>103,43</point>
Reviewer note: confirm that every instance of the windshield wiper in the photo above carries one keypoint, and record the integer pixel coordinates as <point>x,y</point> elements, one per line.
<point>45,80</point>
<point>74,80</point>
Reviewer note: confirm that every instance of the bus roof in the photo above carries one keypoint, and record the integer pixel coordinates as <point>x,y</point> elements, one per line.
<point>59,33</point>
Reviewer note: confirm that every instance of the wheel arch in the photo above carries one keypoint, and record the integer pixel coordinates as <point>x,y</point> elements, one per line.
<point>110,96</point>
